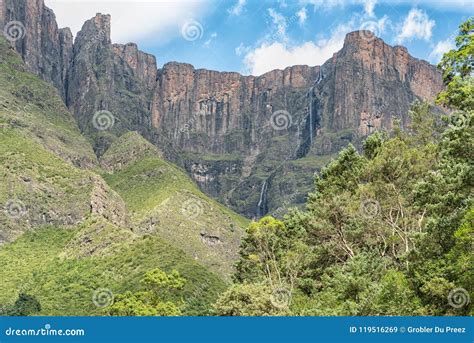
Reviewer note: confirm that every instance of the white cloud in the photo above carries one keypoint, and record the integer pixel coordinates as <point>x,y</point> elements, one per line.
<point>242,49</point>
<point>440,49</point>
<point>369,6</point>
<point>450,5</point>
<point>279,21</point>
<point>208,42</point>
<point>417,24</point>
<point>131,20</point>
<point>279,55</point>
<point>237,8</point>
<point>302,15</point>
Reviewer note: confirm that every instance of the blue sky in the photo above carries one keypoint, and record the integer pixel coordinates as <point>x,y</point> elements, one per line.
<point>255,36</point>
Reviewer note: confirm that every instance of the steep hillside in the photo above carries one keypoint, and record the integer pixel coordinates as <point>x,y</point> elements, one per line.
<point>163,200</point>
<point>65,233</point>
<point>44,159</point>
<point>52,265</point>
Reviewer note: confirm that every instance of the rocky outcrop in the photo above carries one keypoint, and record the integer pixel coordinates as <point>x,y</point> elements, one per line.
<point>219,112</point>
<point>109,86</point>
<point>142,64</point>
<point>32,30</point>
<point>369,83</point>
<point>106,203</point>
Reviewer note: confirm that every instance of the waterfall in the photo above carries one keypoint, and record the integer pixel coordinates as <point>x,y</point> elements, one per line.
<point>320,76</point>
<point>311,91</point>
<point>263,199</point>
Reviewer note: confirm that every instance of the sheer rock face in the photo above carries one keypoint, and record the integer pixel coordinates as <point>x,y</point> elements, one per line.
<point>45,49</point>
<point>115,79</point>
<point>231,132</point>
<point>369,83</point>
<point>221,112</point>
<point>142,64</point>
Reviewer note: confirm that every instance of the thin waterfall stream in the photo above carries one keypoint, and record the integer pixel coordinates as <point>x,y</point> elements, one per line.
<point>261,206</point>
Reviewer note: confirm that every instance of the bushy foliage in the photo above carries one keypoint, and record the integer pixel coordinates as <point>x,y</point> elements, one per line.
<point>386,232</point>
<point>247,300</point>
<point>25,305</point>
<point>150,302</point>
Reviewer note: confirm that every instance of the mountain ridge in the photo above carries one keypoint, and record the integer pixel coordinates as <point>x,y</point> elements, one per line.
<point>220,126</point>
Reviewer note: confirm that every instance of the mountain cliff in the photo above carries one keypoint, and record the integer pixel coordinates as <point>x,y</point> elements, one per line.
<point>252,142</point>
<point>71,223</point>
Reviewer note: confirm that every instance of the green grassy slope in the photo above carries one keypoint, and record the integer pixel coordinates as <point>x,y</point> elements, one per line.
<point>40,263</point>
<point>163,200</point>
<point>33,107</point>
<point>38,187</point>
<point>64,233</point>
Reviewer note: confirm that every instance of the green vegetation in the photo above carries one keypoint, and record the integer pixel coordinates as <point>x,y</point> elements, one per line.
<point>386,232</point>
<point>457,66</point>
<point>163,200</point>
<point>158,285</point>
<point>34,108</point>
<point>35,264</point>
<point>65,235</point>
<point>39,184</point>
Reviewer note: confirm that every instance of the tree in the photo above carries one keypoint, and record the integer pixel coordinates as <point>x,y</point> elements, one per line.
<point>25,305</point>
<point>273,254</point>
<point>396,297</point>
<point>247,300</point>
<point>457,66</point>
<point>159,286</point>
<point>388,232</point>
